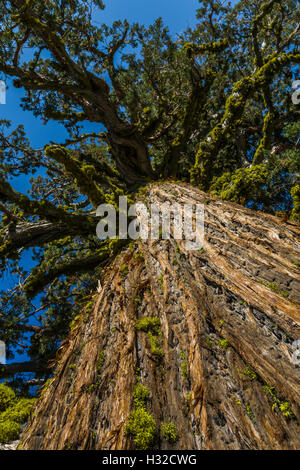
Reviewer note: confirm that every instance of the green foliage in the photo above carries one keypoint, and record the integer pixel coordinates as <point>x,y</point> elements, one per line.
<point>161,282</point>
<point>209,341</point>
<point>141,424</point>
<point>19,412</point>
<point>147,324</point>
<point>184,365</point>
<point>248,372</point>
<point>283,406</point>
<point>155,342</point>
<point>295,193</point>
<point>13,411</point>
<point>250,412</point>
<point>140,395</point>
<point>242,186</point>
<point>101,360</point>
<point>170,432</point>
<point>9,431</point>
<point>224,344</point>
<point>124,271</point>
<point>7,397</point>
<point>285,409</point>
<point>151,326</point>
<point>272,286</point>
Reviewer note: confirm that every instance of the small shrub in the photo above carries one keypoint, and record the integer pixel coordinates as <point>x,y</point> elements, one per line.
<point>101,359</point>
<point>7,397</point>
<point>20,412</point>
<point>250,412</point>
<point>161,282</point>
<point>147,324</point>
<point>9,431</point>
<point>124,271</point>
<point>140,395</point>
<point>169,432</point>
<point>284,406</point>
<point>285,409</point>
<point>151,325</point>
<point>141,425</point>
<point>155,342</point>
<point>224,344</point>
<point>184,365</point>
<point>209,341</point>
<point>249,373</point>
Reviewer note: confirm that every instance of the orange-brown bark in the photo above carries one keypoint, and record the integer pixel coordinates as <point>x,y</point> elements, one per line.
<point>243,287</point>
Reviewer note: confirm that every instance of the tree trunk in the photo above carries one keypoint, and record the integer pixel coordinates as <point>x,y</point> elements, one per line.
<point>229,315</point>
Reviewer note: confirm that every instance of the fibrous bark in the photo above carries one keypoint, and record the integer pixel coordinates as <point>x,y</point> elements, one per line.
<point>225,372</point>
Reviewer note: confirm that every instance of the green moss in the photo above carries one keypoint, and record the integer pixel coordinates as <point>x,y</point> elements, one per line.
<point>285,409</point>
<point>147,324</point>
<point>124,271</point>
<point>46,386</point>
<point>184,365</point>
<point>203,170</point>
<point>155,343</point>
<point>224,344</point>
<point>7,397</point>
<point>141,424</point>
<point>85,174</point>
<point>169,432</point>
<point>101,360</point>
<point>241,185</point>
<point>273,287</point>
<point>237,400</point>
<point>140,395</point>
<point>250,412</point>
<point>151,326</point>
<point>178,250</point>
<point>248,372</point>
<point>266,141</point>
<point>283,406</point>
<point>75,322</point>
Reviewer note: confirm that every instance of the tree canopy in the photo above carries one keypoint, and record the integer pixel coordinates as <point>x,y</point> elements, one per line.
<point>212,106</point>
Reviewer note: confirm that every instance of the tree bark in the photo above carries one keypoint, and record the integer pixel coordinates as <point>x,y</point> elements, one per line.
<point>242,287</point>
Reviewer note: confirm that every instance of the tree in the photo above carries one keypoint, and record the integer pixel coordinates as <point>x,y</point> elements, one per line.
<point>212,108</point>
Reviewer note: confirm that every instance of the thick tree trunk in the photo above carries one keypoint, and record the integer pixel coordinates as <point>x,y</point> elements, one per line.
<point>243,288</point>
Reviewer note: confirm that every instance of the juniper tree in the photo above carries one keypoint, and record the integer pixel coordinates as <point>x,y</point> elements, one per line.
<point>211,107</point>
